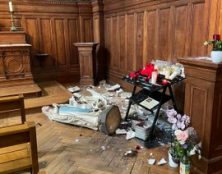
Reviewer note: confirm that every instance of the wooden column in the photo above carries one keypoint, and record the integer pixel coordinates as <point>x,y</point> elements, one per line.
<point>98,37</point>
<point>87,62</point>
<point>203,102</point>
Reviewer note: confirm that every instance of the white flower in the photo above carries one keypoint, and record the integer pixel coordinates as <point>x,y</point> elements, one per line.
<point>172,120</point>
<point>206,43</point>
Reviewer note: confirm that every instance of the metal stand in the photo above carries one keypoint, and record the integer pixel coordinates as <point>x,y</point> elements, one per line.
<point>157,92</point>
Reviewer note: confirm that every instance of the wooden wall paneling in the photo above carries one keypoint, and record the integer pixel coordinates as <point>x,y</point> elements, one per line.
<point>163,44</point>
<point>139,39</point>
<point>152,35</point>
<point>122,38</point>
<point>115,47</point>
<point>198,30</point>
<point>60,42</point>
<point>31,27</point>
<point>130,42</point>
<point>41,20</point>
<point>86,29</point>
<point>181,25</point>
<point>108,25</point>
<point>47,40</point>
<point>73,34</point>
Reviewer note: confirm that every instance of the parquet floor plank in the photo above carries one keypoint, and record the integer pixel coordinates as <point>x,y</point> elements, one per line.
<point>66,149</point>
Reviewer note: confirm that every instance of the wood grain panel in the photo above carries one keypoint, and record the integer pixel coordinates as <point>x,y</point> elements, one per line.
<point>60,41</point>
<point>139,40</point>
<point>87,30</point>
<point>31,25</point>
<point>152,31</point>
<point>180,31</point>
<point>198,31</point>
<point>130,42</point>
<point>198,101</point>
<point>47,43</point>
<point>108,25</point>
<point>115,48</point>
<point>73,37</point>
<point>122,29</point>
<point>163,40</point>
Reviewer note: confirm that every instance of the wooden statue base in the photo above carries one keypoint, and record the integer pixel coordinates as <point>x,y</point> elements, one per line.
<point>30,90</point>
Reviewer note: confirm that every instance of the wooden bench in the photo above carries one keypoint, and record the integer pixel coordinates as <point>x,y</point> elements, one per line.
<point>13,103</point>
<point>18,148</point>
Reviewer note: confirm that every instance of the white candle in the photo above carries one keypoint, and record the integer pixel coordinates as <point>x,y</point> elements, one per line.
<point>10,6</point>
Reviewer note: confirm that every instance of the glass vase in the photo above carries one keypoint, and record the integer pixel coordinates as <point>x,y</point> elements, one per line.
<point>184,168</point>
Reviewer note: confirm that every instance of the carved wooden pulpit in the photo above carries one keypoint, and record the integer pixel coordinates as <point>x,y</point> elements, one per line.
<point>15,67</point>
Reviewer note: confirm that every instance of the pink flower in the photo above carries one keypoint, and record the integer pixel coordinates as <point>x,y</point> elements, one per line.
<point>181,136</point>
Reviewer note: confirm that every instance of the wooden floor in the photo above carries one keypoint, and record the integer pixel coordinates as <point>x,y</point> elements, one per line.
<point>66,149</point>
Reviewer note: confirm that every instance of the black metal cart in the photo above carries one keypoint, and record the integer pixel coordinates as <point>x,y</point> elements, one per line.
<point>157,91</point>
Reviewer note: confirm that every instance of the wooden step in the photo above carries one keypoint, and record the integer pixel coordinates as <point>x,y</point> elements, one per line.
<point>28,90</point>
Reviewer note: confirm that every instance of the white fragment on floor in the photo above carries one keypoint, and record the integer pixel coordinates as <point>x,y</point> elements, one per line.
<point>151,161</point>
<point>103,148</point>
<point>121,131</point>
<point>162,161</point>
<point>74,89</point>
<point>113,88</point>
<point>130,134</point>
<point>76,140</point>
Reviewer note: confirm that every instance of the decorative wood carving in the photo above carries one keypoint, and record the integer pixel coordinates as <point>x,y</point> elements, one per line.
<point>203,102</point>
<point>15,68</point>
<point>87,62</point>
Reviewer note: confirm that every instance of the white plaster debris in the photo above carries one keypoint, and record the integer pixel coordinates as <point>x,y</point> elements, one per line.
<point>162,161</point>
<point>76,140</point>
<point>151,161</point>
<point>113,88</point>
<point>151,154</point>
<point>130,134</point>
<point>74,89</point>
<point>103,148</point>
<point>121,131</point>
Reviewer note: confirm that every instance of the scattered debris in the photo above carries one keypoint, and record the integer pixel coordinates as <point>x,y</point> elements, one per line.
<point>138,147</point>
<point>103,148</point>
<point>74,89</point>
<point>162,161</point>
<point>151,161</point>
<point>121,131</point>
<point>76,140</point>
<point>130,153</point>
<point>113,88</point>
<point>130,134</point>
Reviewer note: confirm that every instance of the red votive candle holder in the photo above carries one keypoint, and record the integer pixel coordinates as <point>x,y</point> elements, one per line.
<point>216,37</point>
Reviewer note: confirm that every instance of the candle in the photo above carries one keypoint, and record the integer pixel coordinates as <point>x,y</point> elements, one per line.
<point>10,6</point>
<point>216,37</point>
<point>154,77</point>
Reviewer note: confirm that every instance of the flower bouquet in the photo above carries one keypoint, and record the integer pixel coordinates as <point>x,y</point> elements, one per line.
<point>185,142</point>
<point>216,53</point>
